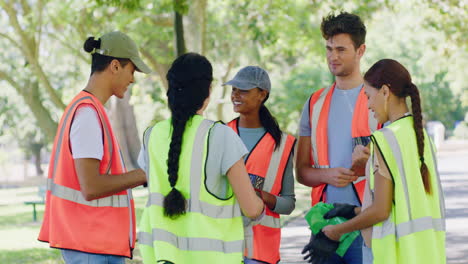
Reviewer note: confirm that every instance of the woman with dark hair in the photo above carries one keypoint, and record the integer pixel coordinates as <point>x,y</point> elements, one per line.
<point>269,162</point>
<point>196,177</point>
<point>403,216</point>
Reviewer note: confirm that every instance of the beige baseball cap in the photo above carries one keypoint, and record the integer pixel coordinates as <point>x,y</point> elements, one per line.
<point>120,45</point>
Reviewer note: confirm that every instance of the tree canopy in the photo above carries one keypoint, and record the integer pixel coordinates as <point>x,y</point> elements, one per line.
<point>44,65</point>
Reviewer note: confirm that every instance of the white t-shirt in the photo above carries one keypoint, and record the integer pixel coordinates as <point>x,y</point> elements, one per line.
<point>86,134</point>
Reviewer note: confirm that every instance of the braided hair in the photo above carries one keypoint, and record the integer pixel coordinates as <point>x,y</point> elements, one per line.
<point>189,80</point>
<point>391,73</point>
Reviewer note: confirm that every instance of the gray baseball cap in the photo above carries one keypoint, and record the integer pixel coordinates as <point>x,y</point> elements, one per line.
<point>251,77</point>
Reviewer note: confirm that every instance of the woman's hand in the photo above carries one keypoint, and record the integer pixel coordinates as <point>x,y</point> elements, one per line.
<point>331,232</point>
<point>359,159</point>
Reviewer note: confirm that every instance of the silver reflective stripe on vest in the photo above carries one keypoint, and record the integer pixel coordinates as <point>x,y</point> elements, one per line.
<point>395,147</point>
<point>146,137</point>
<point>248,240</point>
<point>439,185</point>
<point>194,204</point>
<point>407,228</point>
<point>76,196</point>
<point>189,243</point>
<point>274,164</point>
<point>314,123</point>
<point>145,238</point>
<point>201,207</point>
<point>270,221</point>
<point>197,161</point>
<point>62,131</point>
<point>369,170</point>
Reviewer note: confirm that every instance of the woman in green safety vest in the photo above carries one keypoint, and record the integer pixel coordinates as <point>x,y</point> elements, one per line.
<point>197,180</point>
<point>402,218</point>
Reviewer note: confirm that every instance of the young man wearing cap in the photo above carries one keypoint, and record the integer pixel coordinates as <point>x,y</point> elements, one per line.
<point>335,119</point>
<point>89,212</point>
<point>269,162</point>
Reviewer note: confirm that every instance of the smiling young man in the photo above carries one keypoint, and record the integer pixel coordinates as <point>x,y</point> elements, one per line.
<point>90,212</point>
<point>334,120</point>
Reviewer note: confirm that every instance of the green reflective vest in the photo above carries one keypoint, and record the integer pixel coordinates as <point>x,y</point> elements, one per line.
<point>211,231</point>
<point>415,230</point>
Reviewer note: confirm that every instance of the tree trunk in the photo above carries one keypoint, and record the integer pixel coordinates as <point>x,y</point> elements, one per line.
<point>179,28</point>
<point>36,153</point>
<point>161,69</point>
<point>29,47</point>
<point>196,26</point>
<point>30,94</point>
<point>44,120</point>
<point>123,122</point>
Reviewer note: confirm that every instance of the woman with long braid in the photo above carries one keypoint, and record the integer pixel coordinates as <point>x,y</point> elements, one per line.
<point>403,215</point>
<point>197,180</point>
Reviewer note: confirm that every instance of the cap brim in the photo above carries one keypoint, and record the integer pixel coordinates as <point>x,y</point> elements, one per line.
<point>240,85</point>
<point>140,65</point>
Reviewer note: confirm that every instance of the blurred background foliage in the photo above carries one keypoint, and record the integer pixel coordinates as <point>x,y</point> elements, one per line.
<point>44,66</point>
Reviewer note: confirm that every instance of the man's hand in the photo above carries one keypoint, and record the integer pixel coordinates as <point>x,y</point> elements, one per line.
<point>319,249</point>
<point>359,159</point>
<point>340,177</point>
<point>341,209</point>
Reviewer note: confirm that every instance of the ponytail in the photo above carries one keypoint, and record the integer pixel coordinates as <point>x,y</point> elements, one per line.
<point>100,62</point>
<point>418,128</point>
<point>269,123</point>
<point>397,78</point>
<point>174,203</point>
<point>189,80</point>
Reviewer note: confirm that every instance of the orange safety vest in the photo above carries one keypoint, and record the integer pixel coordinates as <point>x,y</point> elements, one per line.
<point>362,125</point>
<point>101,226</point>
<point>267,166</point>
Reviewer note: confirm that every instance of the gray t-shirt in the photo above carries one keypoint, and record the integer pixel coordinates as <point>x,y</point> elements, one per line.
<point>340,145</point>
<point>225,148</point>
<point>285,202</point>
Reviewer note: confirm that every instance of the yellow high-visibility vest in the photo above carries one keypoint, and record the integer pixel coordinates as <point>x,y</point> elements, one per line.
<point>415,230</point>
<point>211,231</point>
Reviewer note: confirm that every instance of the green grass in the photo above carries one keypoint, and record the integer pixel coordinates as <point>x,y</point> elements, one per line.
<point>35,255</point>
<point>21,219</point>
<point>19,233</point>
<point>46,256</point>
